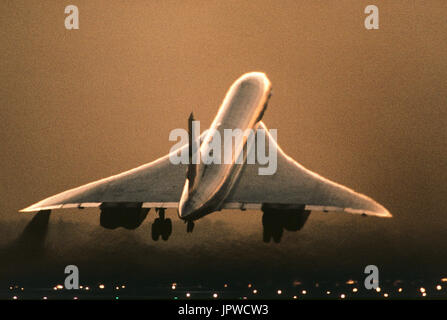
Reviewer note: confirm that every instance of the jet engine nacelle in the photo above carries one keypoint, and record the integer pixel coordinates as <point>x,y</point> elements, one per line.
<point>276,218</point>
<point>129,216</point>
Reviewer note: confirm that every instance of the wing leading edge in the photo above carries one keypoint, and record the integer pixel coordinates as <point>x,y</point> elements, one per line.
<point>155,185</point>
<point>292,185</point>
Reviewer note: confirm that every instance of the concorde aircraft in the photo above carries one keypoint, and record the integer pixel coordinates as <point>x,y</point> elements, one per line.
<point>196,189</point>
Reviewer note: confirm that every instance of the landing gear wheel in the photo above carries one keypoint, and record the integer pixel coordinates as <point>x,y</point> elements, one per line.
<point>277,235</point>
<point>273,228</point>
<point>156,229</point>
<point>167,229</point>
<point>189,226</point>
<point>266,236</point>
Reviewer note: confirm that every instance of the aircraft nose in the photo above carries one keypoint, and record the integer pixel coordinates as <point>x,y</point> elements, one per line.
<point>190,204</point>
<point>186,208</point>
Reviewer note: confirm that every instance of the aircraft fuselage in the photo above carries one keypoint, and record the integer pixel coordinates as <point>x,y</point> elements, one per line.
<point>242,108</point>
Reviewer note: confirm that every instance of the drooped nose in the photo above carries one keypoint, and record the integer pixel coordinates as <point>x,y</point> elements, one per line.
<point>185,209</point>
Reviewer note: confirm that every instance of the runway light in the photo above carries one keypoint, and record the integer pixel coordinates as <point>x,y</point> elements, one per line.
<point>188,295</point>
<point>438,287</point>
<point>304,292</point>
<point>422,289</point>
<point>378,289</point>
<point>328,292</point>
<point>117,288</point>
<point>225,285</point>
<point>11,287</point>
<point>81,287</point>
<point>22,289</point>
<point>215,295</point>
<point>45,298</point>
<point>249,285</point>
<point>123,287</point>
<point>75,298</point>
<point>400,290</point>
<point>342,296</point>
<point>101,286</point>
<point>173,287</point>
<point>15,298</point>
<point>355,290</point>
<point>295,297</point>
<point>87,288</point>
<point>424,294</point>
<point>279,292</point>
<point>350,282</point>
<point>385,295</point>
<point>444,280</point>
<point>59,287</point>
<point>117,298</point>
<point>255,291</point>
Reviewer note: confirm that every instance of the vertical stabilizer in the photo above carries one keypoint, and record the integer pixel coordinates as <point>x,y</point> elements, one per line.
<point>192,151</point>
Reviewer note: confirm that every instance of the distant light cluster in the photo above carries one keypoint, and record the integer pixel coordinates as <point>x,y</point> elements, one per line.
<point>349,289</point>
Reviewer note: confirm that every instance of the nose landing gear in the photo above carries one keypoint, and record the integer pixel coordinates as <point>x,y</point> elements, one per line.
<point>161,227</point>
<point>189,226</point>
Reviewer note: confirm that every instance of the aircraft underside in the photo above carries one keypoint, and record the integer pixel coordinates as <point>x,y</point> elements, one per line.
<point>275,220</point>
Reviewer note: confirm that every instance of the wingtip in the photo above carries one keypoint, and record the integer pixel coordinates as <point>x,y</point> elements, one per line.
<point>387,214</point>
<point>383,214</point>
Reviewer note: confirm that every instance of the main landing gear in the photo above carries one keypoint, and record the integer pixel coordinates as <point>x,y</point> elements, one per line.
<point>161,227</point>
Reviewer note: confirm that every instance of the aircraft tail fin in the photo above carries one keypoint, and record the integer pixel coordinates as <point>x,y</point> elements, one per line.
<point>193,149</point>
